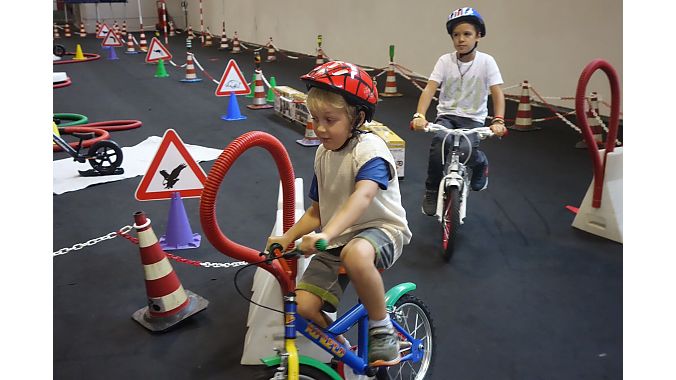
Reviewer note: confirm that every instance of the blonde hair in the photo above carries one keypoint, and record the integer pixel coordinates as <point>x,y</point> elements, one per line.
<point>318,98</point>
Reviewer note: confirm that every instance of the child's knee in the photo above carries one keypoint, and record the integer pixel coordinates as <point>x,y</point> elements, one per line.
<point>358,254</point>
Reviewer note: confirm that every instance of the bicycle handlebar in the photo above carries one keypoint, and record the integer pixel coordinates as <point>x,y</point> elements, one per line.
<point>482,132</point>
<point>276,251</point>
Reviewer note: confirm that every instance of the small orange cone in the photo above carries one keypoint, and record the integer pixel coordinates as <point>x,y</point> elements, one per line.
<point>168,302</point>
<point>208,41</point>
<point>524,118</point>
<point>66,32</point>
<point>259,99</point>
<point>391,83</point>
<point>310,138</point>
<point>78,53</point>
<point>271,52</point>
<point>235,45</point>
<point>190,73</point>
<point>83,32</point>
<point>593,121</point>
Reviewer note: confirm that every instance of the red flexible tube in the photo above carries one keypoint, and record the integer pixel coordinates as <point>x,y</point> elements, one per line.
<point>215,177</point>
<point>599,167</point>
<point>65,83</point>
<point>88,57</point>
<point>100,128</point>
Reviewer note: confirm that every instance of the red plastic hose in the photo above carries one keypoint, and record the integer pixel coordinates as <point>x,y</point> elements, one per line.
<point>215,177</point>
<point>88,57</point>
<point>101,129</point>
<point>598,166</point>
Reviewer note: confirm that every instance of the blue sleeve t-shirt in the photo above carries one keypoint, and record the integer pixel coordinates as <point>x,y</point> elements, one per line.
<point>376,170</point>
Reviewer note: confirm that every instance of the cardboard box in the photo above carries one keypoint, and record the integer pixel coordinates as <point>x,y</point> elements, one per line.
<point>395,143</point>
<point>286,100</point>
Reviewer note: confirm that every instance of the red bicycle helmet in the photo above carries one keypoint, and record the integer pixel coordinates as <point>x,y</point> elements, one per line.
<point>348,80</point>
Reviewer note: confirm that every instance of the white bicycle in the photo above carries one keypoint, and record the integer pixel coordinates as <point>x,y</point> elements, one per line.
<point>454,186</point>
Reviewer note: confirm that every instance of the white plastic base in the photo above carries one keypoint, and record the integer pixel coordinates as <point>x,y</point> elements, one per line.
<point>59,77</point>
<point>266,328</point>
<point>605,221</point>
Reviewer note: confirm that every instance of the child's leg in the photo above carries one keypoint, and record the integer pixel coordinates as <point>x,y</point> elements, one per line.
<point>358,257</point>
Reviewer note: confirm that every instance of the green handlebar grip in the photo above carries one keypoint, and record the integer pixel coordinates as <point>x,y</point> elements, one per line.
<point>321,244</point>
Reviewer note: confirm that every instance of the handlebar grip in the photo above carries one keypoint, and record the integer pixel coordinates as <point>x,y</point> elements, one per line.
<point>276,249</point>
<point>321,244</point>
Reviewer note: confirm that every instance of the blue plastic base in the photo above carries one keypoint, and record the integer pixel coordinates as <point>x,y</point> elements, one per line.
<point>227,118</point>
<point>195,243</point>
<point>191,80</point>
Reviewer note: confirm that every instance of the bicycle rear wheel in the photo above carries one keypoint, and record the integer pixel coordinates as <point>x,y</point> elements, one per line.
<point>414,316</point>
<point>450,222</point>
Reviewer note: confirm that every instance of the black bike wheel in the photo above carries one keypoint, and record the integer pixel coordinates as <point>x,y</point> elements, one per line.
<point>450,222</point>
<point>59,50</point>
<point>414,316</point>
<point>105,156</point>
<point>305,373</point>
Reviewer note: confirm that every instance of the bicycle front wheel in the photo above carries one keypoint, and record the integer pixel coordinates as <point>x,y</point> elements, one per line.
<point>450,222</point>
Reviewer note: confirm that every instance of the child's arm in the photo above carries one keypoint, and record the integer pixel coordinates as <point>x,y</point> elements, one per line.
<point>306,224</point>
<point>349,212</point>
<point>498,123</point>
<point>424,101</point>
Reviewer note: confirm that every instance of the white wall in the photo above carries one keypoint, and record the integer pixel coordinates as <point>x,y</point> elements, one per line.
<point>546,42</point>
<point>111,12</point>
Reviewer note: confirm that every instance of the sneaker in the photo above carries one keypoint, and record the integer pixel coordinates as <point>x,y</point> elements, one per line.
<point>383,347</point>
<point>480,177</point>
<point>429,206</point>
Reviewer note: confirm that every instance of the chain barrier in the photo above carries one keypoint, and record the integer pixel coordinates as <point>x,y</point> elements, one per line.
<point>94,241</point>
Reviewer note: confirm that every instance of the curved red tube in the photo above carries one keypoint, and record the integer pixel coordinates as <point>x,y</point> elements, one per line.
<point>101,129</point>
<point>598,166</point>
<point>88,57</point>
<point>65,83</point>
<point>215,177</point>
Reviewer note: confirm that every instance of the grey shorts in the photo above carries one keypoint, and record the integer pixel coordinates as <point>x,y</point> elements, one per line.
<point>322,279</point>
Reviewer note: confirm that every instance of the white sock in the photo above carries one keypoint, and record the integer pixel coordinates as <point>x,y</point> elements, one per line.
<point>382,323</point>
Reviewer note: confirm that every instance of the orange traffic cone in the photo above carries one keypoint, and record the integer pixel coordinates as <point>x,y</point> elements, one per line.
<point>593,121</point>
<point>190,73</point>
<point>224,39</point>
<point>271,52</point>
<point>235,45</point>
<point>168,302</point>
<point>391,83</point>
<point>524,117</point>
<point>56,31</point>
<point>207,40</point>
<point>83,32</point>
<point>310,138</point>
<point>259,99</point>
<point>320,56</point>
<point>130,44</point>
<point>66,32</point>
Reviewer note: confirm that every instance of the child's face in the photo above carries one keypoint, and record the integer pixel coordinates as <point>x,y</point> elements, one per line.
<point>332,126</point>
<point>464,37</point>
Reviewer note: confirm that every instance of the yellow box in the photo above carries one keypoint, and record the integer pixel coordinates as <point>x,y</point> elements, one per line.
<point>395,143</point>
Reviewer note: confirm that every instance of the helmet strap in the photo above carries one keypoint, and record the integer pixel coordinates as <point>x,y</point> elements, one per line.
<point>355,131</point>
<point>469,52</point>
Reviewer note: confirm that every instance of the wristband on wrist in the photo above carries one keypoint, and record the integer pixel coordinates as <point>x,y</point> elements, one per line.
<point>418,115</point>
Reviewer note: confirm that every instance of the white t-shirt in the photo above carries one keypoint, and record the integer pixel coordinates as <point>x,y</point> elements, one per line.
<point>465,86</point>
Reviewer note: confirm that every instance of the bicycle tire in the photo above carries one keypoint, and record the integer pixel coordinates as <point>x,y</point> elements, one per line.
<point>105,156</point>
<point>414,316</point>
<point>450,222</point>
<point>305,372</point>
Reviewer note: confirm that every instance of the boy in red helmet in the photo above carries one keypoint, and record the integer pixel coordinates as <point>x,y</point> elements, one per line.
<point>466,77</point>
<point>356,206</point>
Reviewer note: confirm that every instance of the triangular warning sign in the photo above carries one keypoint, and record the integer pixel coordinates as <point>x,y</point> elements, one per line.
<point>103,31</point>
<point>171,170</point>
<point>157,51</point>
<point>232,81</point>
<point>111,39</point>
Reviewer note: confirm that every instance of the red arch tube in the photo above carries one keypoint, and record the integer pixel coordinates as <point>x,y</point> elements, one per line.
<point>215,177</point>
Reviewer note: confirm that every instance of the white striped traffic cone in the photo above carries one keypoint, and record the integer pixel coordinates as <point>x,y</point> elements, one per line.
<point>320,56</point>
<point>190,73</point>
<point>524,117</point>
<point>259,100</point>
<point>142,43</point>
<point>98,28</point>
<point>271,52</point>
<point>172,32</point>
<point>66,32</point>
<point>593,121</point>
<point>116,28</point>
<point>310,138</point>
<point>130,44</point>
<point>224,41</point>
<point>168,302</point>
<point>83,32</point>
<point>124,28</point>
<point>391,83</point>
<point>191,35</point>
<point>56,31</point>
<point>235,45</point>
<point>207,39</point>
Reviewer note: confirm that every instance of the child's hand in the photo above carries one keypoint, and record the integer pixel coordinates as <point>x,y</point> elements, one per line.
<point>308,244</point>
<point>498,128</point>
<point>277,239</point>
<point>418,123</point>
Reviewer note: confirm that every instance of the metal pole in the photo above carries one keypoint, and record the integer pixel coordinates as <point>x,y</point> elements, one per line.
<point>140,15</point>
<point>164,22</point>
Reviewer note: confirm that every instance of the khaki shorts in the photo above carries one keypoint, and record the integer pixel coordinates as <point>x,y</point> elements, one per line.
<point>322,279</point>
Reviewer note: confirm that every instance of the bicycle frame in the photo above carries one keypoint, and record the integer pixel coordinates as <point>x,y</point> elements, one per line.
<point>455,176</point>
<point>69,149</point>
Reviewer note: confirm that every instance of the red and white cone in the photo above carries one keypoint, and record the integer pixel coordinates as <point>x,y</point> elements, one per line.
<point>271,52</point>
<point>320,56</point>
<point>56,31</point>
<point>224,41</point>
<point>130,44</point>
<point>168,302</point>
<point>310,138</point>
<point>391,83</point>
<point>259,99</point>
<point>191,34</point>
<point>142,43</point>
<point>190,73</point>
<point>124,28</point>
<point>524,117</point>
<point>66,32</point>
<point>235,45</point>
<point>83,32</point>
<point>98,28</point>
<point>116,28</point>
<point>207,40</point>
<point>593,121</point>
<point>172,31</point>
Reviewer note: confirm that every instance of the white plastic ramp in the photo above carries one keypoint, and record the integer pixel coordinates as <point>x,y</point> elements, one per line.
<point>605,221</point>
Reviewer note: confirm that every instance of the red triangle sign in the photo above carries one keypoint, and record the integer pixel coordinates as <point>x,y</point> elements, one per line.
<point>171,170</point>
<point>232,81</point>
<point>111,39</point>
<point>103,31</point>
<point>157,51</point>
